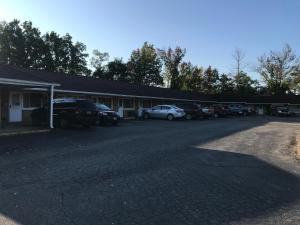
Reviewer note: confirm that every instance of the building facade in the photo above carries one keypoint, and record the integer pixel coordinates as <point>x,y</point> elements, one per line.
<point>23,90</point>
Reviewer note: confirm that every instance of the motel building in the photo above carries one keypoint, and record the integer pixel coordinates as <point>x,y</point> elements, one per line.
<point>23,90</point>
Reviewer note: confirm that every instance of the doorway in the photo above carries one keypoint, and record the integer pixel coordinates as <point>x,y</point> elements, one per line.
<point>15,107</point>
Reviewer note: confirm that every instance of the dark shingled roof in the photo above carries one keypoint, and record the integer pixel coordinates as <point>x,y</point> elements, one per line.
<point>89,84</point>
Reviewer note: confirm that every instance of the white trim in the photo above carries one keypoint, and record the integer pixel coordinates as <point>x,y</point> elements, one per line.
<point>29,109</point>
<point>51,106</point>
<point>25,82</point>
<point>126,96</point>
<point>35,89</point>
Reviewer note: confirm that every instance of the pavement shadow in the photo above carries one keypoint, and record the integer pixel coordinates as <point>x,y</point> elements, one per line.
<point>156,185</point>
<point>188,186</point>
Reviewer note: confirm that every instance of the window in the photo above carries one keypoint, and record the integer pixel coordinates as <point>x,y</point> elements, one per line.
<point>32,100</point>
<point>128,103</point>
<point>86,104</point>
<point>102,107</point>
<point>103,100</point>
<point>165,108</point>
<point>146,103</point>
<point>156,108</point>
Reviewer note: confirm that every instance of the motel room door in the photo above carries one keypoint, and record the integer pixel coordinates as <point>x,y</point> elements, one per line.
<point>15,107</point>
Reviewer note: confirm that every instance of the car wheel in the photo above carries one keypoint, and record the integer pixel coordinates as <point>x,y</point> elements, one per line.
<point>63,123</point>
<point>216,115</point>
<point>146,116</point>
<point>188,116</point>
<point>170,117</point>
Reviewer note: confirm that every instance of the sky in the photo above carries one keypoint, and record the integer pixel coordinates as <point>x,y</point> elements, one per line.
<point>210,30</point>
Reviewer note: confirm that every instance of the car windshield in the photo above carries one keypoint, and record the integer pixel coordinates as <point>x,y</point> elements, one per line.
<point>102,107</point>
<point>86,104</point>
<point>283,109</point>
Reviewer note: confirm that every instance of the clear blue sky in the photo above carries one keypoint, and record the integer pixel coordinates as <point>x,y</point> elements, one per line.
<point>210,30</point>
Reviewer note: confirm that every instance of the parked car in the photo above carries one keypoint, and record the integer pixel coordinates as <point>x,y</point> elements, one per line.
<point>106,115</point>
<point>208,112</point>
<point>237,111</point>
<point>281,111</point>
<point>169,112</point>
<point>220,111</point>
<point>67,112</point>
<point>192,111</point>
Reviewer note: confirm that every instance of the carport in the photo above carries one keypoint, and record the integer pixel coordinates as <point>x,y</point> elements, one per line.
<point>19,97</point>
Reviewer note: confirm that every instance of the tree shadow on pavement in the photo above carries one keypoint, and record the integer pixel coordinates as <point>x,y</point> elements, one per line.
<point>129,183</point>
<point>189,186</point>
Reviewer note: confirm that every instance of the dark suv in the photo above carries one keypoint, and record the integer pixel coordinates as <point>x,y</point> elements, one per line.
<point>192,111</point>
<point>68,112</point>
<point>74,111</point>
<point>107,116</point>
<point>281,111</point>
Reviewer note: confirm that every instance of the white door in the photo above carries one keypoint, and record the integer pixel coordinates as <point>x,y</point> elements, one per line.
<point>15,107</point>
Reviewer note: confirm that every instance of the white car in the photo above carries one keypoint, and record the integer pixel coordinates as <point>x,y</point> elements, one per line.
<point>169,112</point>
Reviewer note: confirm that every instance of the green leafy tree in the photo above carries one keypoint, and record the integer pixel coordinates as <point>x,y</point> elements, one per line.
<point>116,70</point>
<point>22,45</point>
<point>278,70</point>
<point>97,62</point>
<point>210,79</point>
<point>144,66</point>
<point>225,84</point>
<point>77,61</point>
<point>172,59</point>
<point>244,84</point>
<point>191,77</point>
<point>34,46</point>
<point>12,43</point>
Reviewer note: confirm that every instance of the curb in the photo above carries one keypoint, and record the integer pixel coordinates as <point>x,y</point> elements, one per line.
<point>13,133</point>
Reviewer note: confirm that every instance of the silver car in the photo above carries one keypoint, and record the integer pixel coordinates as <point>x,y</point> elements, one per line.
<point>169,112</point>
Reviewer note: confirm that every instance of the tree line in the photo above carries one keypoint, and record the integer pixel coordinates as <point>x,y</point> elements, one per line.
<point>22,44</point>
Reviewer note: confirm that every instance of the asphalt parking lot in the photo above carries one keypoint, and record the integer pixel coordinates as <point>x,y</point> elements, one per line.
<point>225,171</point>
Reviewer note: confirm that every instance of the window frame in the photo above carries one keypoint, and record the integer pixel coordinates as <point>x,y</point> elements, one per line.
<point>126,108</point>
<point>30,107</point>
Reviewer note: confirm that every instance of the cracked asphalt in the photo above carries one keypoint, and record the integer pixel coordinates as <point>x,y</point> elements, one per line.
<point>225,171</point>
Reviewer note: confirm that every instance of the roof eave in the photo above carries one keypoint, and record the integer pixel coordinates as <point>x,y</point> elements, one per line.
<point>26,82</point>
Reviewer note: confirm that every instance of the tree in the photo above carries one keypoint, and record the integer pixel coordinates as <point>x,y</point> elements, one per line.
<point>238,57</point>
<point>210,79</point>
<point>34,46</point>
<point>97,61</point>
<point>22,45</point>
<point>190,77</point>
<point>12,43</point>
<point>144,66</point>
<point>116,70</point>
<point>244,85</point>
<point>62,55</point>
<point>78,62</point>
<point>172,59</point>
<point>99,58</point>
<point>278,70</point>
<point>225,85</point>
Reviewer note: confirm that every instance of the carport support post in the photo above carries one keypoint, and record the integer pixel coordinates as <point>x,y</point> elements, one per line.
<point>51,105</point>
